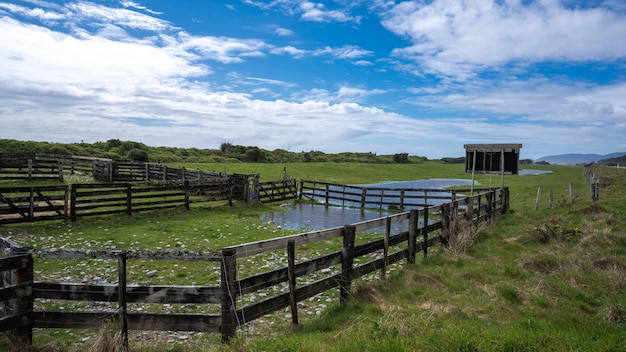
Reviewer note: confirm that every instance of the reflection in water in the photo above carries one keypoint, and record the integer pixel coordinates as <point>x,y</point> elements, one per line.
<point>316,217</point>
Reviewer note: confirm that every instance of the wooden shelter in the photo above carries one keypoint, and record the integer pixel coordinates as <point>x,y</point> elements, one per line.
<point>492,159</point>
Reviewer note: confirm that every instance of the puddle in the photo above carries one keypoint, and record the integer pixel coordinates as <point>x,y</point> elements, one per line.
<point>309,217</point>
<point>533,172</point>
<point>318,217</point>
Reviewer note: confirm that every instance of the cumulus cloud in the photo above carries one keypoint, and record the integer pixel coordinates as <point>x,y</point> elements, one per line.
<point>450,37</point>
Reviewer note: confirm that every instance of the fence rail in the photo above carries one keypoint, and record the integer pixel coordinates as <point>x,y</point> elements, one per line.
<point>275,191</point>
<point>353,253</point>
<point>26,204</point>
<point>378,197</point>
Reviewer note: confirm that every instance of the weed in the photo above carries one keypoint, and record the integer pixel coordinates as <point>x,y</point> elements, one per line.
<point>548,233</point>
<point>509,293</point>
<point>463,235</point>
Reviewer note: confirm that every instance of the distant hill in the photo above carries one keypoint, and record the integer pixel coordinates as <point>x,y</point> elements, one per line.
<point>577,158</point>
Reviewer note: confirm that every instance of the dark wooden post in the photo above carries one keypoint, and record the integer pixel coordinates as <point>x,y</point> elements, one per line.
<point>445,225</point>
<point>401,200</point>
<point>228,299</point>
<point>347,259</point>
<point>31,206</point>
<point>469,207</point>
<point>327,194</point>
<point>23,335</point>
<point>505,200</point>
<point>412,243</point>
<point>121,294</point>
<point>363,197</point>
<point>186,189</point>
<point>129,199</point>
<point>60,170</point>
<point>291,272</point>
<point>73,203</point>
<point>301,189</point>
<point>490,204</point>
<point>386,246</point>
<point>425,233</point>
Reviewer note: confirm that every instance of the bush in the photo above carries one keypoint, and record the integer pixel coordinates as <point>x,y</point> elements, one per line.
<point>138,155</point>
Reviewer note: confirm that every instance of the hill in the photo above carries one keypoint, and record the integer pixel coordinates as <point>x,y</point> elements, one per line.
<point>577,158</point>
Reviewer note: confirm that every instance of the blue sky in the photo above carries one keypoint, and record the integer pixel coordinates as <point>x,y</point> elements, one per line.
<point>417,77</point>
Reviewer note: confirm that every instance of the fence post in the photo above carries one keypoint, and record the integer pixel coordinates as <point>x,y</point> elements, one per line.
<point>445,225</point>
<point>490,204</point>
<point>412,242</point>
<point>60,170</point>
<point>186,189</point>
<point>30,169</point>
<point>23,336</point>
<point>73,203</point>
<point>571,193</point>
<point>228,299</point>
<point>538,198</point>
<point>386,246</point>
<point>505,201</point>
<point>347,259</point>
<point>31,206</point>
<point>129,199</point>
<point>327,194</point>
<point>425,233</point>
<point>291,272</point>
<point>469,203</point>
<point>121,294</point>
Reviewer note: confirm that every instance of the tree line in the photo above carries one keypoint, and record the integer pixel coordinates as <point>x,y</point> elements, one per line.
<point>228,152</point>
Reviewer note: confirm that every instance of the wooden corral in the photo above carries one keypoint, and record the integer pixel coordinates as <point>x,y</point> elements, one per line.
<point>352,257</point>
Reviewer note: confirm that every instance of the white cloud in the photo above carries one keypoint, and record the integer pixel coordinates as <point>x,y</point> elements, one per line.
<point>283,32</point>
<point>450,37</point>
<point>222,49</point>
<point>38,13</point>
<point>86,11</point>
<point>317,12</point>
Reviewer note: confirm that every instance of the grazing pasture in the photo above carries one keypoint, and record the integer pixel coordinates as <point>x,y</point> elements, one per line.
<point>516,281</point>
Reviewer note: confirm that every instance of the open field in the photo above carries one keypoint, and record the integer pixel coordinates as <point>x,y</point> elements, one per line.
<point>546,279</point>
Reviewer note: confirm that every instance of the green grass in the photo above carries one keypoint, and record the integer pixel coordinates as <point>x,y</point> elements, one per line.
<point>510,291</point>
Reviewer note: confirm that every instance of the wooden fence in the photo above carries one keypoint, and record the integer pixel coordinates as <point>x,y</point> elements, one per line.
<point>276,191</point>
<point>26,204</point>
<point>31,166</point>
<point>40,203</point>
<point>21,166</point>
<point>354,253</point>
<point>376,197</point>
<point>133,171</point>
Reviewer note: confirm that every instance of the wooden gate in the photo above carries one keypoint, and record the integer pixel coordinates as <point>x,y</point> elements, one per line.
<point>20,204</point>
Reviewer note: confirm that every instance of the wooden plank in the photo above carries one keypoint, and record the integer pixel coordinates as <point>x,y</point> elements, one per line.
<point>151,254</point>
<point>134,294</point>
<point>15,291</point>
<point>271,278</point>
<point>14,262</point>
<point>15,321</point>
<point>136,321</point>
<point>252,248</point>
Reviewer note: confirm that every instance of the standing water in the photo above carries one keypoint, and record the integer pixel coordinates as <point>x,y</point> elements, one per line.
<point>309,217</point>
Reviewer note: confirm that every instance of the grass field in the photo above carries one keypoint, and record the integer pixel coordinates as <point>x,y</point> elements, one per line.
<point>547,279</point>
